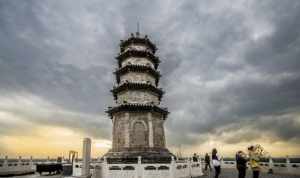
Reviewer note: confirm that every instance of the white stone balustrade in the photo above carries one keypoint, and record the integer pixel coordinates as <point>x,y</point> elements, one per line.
<point>17,167</point>
<point>282,167</point>
<point>174,169</point>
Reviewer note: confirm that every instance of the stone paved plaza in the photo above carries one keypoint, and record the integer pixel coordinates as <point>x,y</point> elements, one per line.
<point>37,176</point>
<point>226,173</point>
<point>232,173</point>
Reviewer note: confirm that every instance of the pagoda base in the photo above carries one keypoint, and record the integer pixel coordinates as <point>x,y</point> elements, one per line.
<point>149,155</point>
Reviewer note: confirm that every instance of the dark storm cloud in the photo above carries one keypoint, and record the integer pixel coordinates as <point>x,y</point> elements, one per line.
<point>224,64</point>
<point>262,81</point>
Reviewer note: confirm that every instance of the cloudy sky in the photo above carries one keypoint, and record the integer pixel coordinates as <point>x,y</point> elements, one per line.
<point>230,71</point>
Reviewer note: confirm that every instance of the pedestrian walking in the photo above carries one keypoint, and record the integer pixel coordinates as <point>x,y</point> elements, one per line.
<point>207,162</point>
<point>241,164</point>
<point>216,161</point>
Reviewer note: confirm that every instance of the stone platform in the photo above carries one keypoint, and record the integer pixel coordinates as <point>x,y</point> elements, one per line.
<point>149,155</point>
<point>232,173</point>
<point>226,173</point>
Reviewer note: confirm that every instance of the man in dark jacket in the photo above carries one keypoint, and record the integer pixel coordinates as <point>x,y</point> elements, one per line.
<point>207,162</point>
<point>241,163</point>
<point>195,158</point>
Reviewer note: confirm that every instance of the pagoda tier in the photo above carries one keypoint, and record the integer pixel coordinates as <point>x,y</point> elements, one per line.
<point>136,40</point>
<point>137,69</point>
<point>137,108</point>
<point>124,57</point>
<point>137,86</point>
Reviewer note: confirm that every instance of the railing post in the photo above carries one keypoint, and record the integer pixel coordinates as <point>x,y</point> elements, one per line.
<point>190,167</point>
<point>288,164</point>
<point>172,167</point>
<point>104,168</point>
<point>98,171</point>
<point>271,165</point>
<point>200,165</point>
<point>139,168</point>
<point>5,164</point>
<point>31,161</point>
<point>222,162</point>
<point>20,161</point>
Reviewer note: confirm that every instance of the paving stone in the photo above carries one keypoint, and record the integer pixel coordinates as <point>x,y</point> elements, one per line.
<point>232,173</point>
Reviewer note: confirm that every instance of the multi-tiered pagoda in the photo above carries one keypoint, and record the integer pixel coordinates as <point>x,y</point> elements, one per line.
<point>138,120</point>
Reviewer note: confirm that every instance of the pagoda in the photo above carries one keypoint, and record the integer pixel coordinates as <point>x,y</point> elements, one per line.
<point>138,120</point>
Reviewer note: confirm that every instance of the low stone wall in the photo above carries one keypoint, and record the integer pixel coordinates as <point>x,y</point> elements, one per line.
<point>283,166</point>
<point>8,168</point>
<point>11,167</point>
<point>175,169</point>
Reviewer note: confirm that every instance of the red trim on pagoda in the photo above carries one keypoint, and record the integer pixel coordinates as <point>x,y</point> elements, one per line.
<point>137,108</point>
<point>137,68</point>
<point>135,53</point>
<point>137,86</point>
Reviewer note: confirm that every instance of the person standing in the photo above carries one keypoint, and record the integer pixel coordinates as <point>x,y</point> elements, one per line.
<point>216,161</point>
<point>241,164</point>
<point>254,161</point>
<point>207,162</point>
<point>195,158</point>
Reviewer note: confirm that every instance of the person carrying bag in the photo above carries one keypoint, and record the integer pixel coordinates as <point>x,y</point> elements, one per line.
<point>216,161</point>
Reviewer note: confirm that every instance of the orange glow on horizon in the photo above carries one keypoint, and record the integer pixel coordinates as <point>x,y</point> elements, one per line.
<point>51,141</point>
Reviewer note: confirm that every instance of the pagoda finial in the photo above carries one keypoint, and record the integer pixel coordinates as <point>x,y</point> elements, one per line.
<point>138,29</point>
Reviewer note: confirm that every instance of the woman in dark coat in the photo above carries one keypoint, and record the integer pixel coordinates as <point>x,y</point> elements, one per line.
<point>241,163</point>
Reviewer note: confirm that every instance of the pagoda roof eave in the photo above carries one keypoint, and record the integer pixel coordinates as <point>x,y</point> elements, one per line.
<point>138,40</point>
<point>137,108</point>
<point>135,53</point>
<point>137,68</point>
<point>137,86</point>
